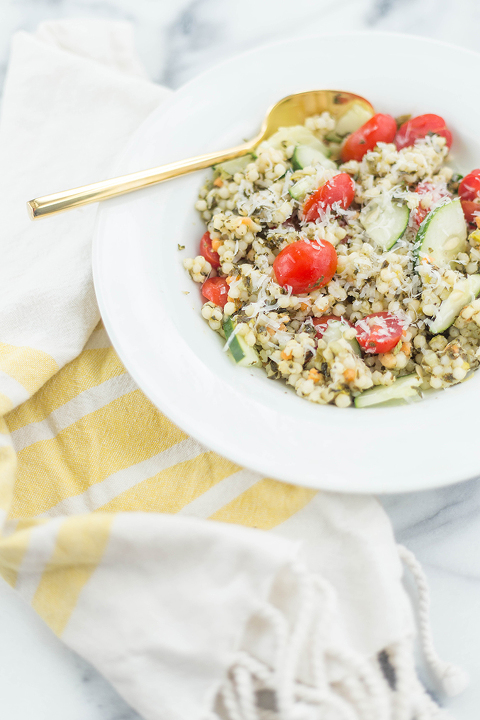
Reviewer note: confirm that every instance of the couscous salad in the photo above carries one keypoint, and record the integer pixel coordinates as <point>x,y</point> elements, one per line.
<point>343,258</point>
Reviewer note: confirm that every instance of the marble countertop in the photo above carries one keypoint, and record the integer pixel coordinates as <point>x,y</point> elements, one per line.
<point>40,679</point>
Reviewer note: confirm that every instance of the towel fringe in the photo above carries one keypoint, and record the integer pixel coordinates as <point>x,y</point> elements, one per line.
<point>452,679</point>
<point>254,690</point>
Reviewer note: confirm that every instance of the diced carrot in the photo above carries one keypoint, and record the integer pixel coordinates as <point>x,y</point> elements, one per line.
<point>350,374</point>
<point>218,182</point>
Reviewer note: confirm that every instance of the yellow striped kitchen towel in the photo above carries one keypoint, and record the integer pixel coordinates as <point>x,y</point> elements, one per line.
<point>104,502</point>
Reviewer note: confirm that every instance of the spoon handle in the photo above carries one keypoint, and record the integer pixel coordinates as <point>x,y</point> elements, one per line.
<point>106,189</point>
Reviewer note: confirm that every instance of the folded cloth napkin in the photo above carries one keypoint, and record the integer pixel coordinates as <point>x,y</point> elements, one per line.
<point>103,501</point>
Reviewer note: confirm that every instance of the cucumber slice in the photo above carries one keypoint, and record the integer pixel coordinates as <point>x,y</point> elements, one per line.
<point>443,233</point>
<point>463,293</point>
<point>302,187</point>
<point>333,137</point>
<point>356,116</point>
<point>306,155</point>
<point>403,387</point>
<point>385,220</point>
<point>242,353</point>
<point>230,167</point>
<point>335,330</point>
<point>293,135</point>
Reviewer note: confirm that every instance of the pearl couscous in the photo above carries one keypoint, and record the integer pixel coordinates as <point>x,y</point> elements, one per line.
<point>346,267</point>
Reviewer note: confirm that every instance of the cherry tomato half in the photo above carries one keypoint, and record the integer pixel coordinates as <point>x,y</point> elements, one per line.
<point>215,289</point>
<point>208,252</point>
<point>437,194</point>
<point>469,191</point>
<point>471,209</point>
<point>305,266</point>
<point>340,189</point>
<point>380,128</point>
<point>419,127</point>
<point>379,332</point>
<point>321,323</point>
<point>469,188</point>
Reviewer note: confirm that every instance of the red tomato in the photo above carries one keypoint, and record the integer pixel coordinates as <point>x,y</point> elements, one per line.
<point>437,194</point>
<point>321,323</point>
<point>208,252</point>
<point>469,191</point>
<point>340,189</point>
<point>215,289</point>
<point>469,188</point>
<point>305,266</point>
<point>471,209</point>
<point>380,128</point>
<point>379,332</point>
<point>419,127</point>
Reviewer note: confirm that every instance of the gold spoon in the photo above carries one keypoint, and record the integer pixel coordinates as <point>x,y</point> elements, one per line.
<point>291,110</point>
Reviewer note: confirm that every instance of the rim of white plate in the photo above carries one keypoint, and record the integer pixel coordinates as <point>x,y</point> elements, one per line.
<point>354,466</point>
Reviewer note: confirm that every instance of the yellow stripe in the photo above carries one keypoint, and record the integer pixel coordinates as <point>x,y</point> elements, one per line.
<point>265,505</point>
<point>170,490</point>
<point>30,367</point>
<point>88,370</point>
<point>8,466</point>
<point>80,545</point>
<point>12,552</point>
<point>5,404</point>
<point>123,433</point>
<point>3,424</point>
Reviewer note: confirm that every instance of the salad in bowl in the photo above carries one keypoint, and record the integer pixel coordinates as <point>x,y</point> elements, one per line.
<point>343,258</point>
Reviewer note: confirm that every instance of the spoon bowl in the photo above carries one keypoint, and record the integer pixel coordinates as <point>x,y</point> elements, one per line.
<point>291,110</point>
<point>294,109</point>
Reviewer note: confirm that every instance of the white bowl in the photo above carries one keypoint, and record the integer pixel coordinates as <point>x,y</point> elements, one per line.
<point>151,308</point>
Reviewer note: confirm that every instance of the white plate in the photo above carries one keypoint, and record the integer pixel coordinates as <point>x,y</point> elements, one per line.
<point>156,326</point>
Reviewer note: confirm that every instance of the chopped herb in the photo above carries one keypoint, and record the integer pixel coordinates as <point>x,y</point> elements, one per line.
<point>181,247</point>
<point>455,181</point>
<point>401,119</point>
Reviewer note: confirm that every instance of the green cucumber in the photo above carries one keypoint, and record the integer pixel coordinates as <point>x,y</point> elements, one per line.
<point>238,349</point>
<point>293,135</point>
<point>463,293</point>
<point>385,220</point>
<point>306,156</point>
<point>443,233</point>
<point>403,387</point>
<point>335,330</point>
<point>333,137</point>
<point>302,187</point>
<point>354,117</point>
<point>230,167</point>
